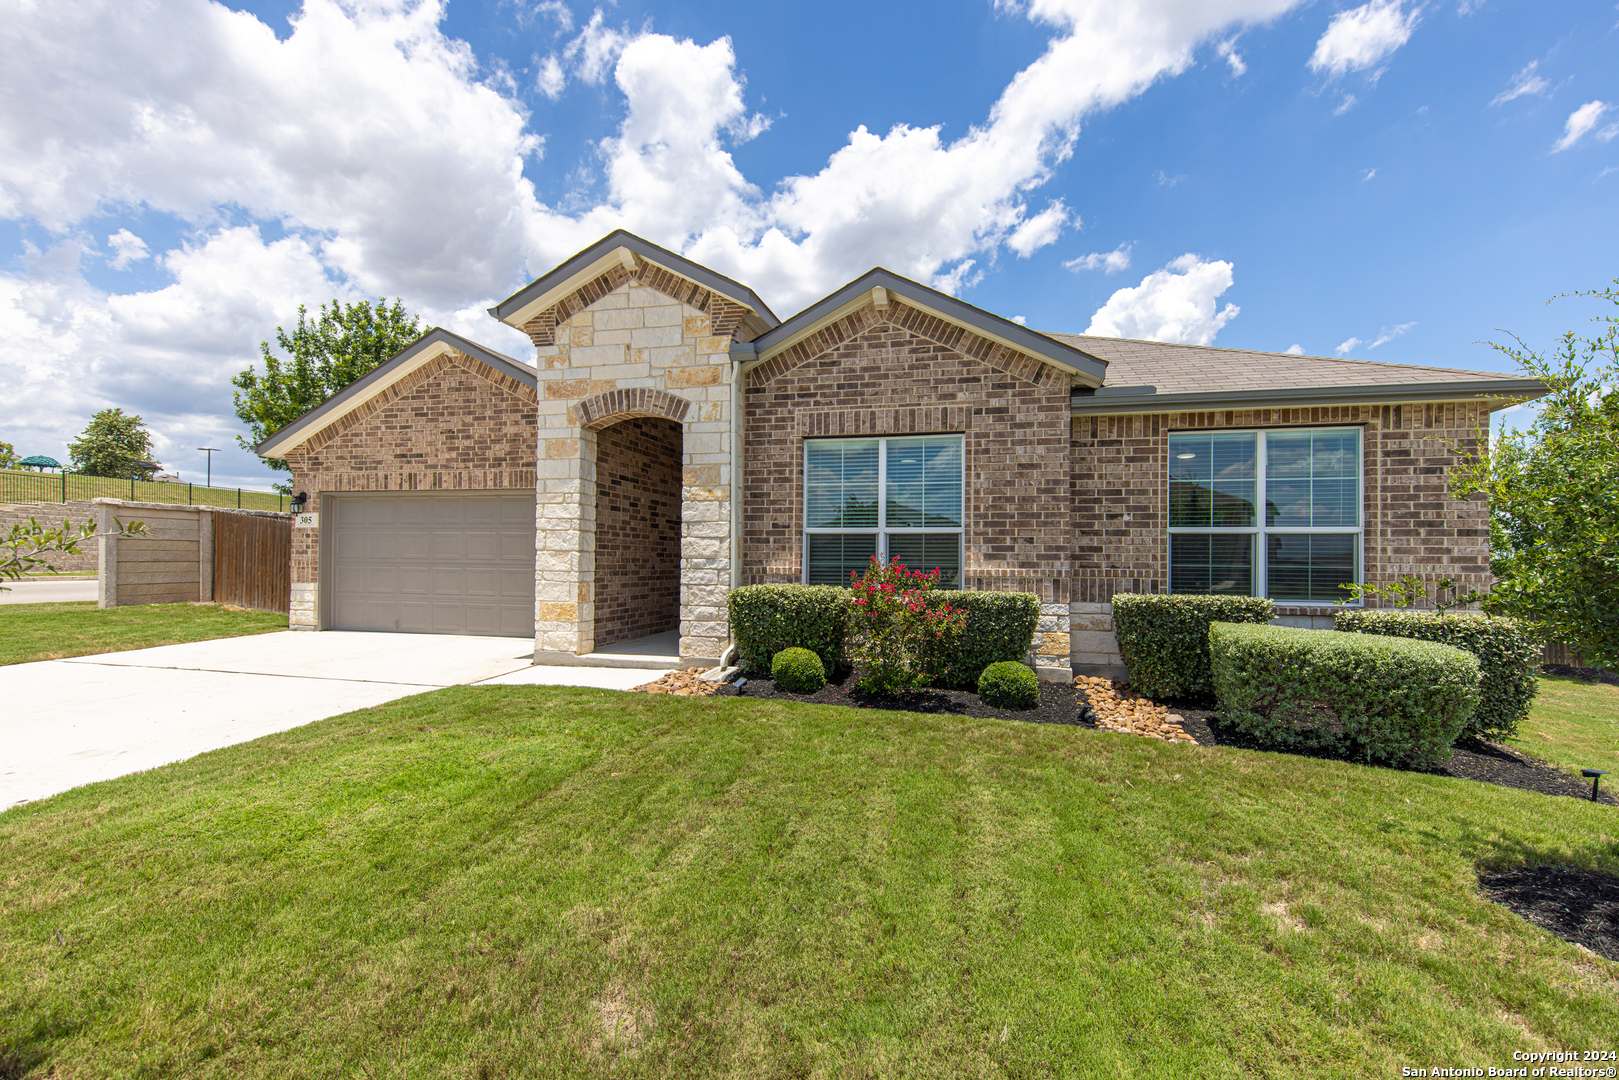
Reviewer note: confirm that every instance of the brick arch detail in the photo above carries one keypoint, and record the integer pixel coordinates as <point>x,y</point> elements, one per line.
<point>603,410</point>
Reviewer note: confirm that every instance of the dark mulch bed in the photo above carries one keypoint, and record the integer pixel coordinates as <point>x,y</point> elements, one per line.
<point>1474,759</point>
<point>1059,702</point>
<point>1577,905</point>
<point>1589,674</point>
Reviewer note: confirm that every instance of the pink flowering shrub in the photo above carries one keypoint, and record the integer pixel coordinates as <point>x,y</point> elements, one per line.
<point>899,637</point>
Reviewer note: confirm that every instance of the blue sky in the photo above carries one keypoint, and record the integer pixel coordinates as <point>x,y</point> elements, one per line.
<point>1388,181</point>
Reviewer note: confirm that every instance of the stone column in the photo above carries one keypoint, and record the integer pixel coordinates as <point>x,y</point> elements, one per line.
<point>1052,651</point>
<point>564,534</point>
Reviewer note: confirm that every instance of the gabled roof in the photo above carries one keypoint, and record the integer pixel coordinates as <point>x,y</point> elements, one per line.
<point>1086,367</point>
<point>1161,375</point>
<point>431,345</point>
<point>545,291</point>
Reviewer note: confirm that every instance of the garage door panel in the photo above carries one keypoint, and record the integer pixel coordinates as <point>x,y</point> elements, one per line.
<point>431,563</point>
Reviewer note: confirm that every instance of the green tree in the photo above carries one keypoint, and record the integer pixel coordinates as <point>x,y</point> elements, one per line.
<point>114,444</point>
<point>1554,494</point>
<point>8,456</point>
<point>318,358</point>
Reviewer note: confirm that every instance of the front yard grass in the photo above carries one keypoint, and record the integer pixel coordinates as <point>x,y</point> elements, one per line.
<point>1575,724</point>
<point>51,631</point>
<point>552,882</point>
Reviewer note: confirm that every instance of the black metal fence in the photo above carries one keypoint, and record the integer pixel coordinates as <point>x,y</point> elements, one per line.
<point>17,485</point>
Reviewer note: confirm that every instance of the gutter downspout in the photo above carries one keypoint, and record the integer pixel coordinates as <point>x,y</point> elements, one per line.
<point>741,352</point>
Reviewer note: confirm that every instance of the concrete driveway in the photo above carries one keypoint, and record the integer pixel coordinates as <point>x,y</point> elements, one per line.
<point>64,723</point>
<point>48,590</point>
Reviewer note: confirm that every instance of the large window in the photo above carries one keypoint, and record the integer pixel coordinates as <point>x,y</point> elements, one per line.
<point>897,498</point>
<point>1305,544</point>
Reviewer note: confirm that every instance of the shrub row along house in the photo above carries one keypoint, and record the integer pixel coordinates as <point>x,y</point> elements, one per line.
<point>674,439</point>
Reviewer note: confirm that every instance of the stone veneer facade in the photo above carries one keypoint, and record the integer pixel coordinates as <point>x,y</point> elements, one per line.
<point>902,371</point>
<point>1412,525</point>
<point>637,341</point>
<point>451,425</point>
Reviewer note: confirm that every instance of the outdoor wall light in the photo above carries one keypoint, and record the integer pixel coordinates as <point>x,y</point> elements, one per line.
<point>299,501</point>
<point>1596,776</point>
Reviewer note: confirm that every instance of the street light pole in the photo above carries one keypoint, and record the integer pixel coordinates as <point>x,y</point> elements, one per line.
<point>210,451</point>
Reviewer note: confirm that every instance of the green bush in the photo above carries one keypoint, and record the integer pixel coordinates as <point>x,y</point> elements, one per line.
<point>1165,639</point>
<point>1508,657</point>
<point>1007,684</point>
<point>1389,698</point>
<point>766,619</point>
<point>1000,626</point>
<point>798,671</point>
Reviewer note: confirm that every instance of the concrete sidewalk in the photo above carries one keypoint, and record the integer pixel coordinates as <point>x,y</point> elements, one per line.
<point>48,590</point>
<point>76,721</point>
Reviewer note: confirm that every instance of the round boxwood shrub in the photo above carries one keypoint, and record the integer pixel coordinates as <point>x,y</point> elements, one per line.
<point>798,671</point>
<point>1008,684</point>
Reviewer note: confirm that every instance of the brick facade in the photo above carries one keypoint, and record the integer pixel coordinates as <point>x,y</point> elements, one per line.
<point>637,530</point>
<point>901,372</point>
<point>453,424</point>
<point>1412,525</point>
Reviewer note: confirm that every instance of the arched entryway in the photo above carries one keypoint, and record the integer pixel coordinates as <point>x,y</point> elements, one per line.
<point>638,500</point>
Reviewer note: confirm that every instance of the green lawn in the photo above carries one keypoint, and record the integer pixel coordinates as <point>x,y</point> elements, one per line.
<point>541,882</point>
<point>1575,724</point>
<point>52,631</point>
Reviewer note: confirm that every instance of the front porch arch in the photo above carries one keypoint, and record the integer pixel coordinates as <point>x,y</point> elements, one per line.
<point>604,410</point>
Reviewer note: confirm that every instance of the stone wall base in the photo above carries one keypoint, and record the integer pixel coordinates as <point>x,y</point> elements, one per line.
<point>1093,648</point>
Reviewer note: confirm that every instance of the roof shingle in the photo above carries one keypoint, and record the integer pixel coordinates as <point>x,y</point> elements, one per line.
<point>1193,369</point>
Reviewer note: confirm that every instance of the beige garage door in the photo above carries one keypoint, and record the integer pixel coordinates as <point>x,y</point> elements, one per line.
<point>439,563</point>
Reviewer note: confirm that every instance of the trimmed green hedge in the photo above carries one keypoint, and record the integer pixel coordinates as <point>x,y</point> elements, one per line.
<point>1007,684</point>
<point>798,671</point>
<point>766,619</point>
<point>1389,698</point>
<point>1165,639</point>
<point>1000,626</point>
<point>769,618</point>
<point>1508,657</point>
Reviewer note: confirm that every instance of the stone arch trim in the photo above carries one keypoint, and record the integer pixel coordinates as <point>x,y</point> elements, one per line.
<point>603,410</point>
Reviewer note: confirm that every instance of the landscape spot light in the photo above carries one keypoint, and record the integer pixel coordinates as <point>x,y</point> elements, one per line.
<point>1596,776</point>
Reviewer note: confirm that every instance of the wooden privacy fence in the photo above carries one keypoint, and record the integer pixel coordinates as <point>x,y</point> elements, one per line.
<point>253,560</point>
<point>192,553</point>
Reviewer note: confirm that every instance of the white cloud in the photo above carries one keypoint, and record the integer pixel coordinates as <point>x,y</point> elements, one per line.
<point>1110,261</point>
<point>1228,50</point>
<point>1581,122</point>
<point>1349,101</point>
<point>596,49</point>
<point>1295,349</point>
<point>1367,174</point>
<point>1363,37</point>
<point>1176,303</point>
<point>127,248</point>
<point>1038,231</point>
<point>1021,320</point>
<point>551,79</point>
<point>557,10</point>
<point>1349,346</point>
<point>1524,82</point>
<point>368,128</point>
<point>1386,336</point>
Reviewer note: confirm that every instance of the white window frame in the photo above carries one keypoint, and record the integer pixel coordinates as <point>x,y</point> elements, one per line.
<point>1260,554</point>
<point>881,529</point>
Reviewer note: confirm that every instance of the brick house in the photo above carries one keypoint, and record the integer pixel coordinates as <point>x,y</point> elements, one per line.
<point>674,439</point>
